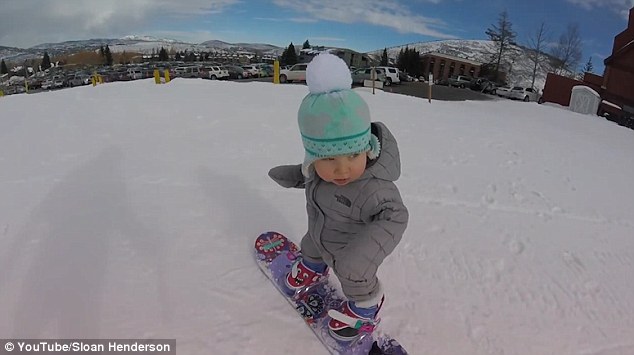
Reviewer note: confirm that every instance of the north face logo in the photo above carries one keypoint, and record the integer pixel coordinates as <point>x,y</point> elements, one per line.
<point>343,200</point>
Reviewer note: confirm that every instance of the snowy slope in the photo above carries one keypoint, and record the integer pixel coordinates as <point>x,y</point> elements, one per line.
<point>129,210</point>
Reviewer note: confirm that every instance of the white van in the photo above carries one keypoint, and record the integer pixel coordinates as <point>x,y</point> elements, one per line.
<point>135,73</point>
<point>392,75</point>
<point>188,72</point>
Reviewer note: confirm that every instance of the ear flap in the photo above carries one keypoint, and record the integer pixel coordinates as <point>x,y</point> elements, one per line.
<point>375,147</point>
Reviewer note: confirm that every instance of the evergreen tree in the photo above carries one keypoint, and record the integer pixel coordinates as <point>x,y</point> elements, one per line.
<point>588,68</point>
<point>3,68</point>
<point>178,57</point>
<point>384,59</point>
<point>503,36</point>
<point>46,61</point>
<point>163,57</point>
<point>306,45</point>
<point>108,56</point>
<point>401,59</point>
<point>289,57</point>
<point>408,60</point>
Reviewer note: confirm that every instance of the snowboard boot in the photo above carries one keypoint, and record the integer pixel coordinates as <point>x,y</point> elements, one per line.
<point>303,274</point>
<point>350,321</point>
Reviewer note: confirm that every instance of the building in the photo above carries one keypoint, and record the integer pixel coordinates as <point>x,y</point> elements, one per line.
<point>616,86</point>
<point>352,58</point>
<point>618,77</point>
<point>444,66</point>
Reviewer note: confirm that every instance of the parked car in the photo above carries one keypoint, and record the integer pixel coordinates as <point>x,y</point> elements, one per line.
<point>524,94</point>
<point>53,83</point>
<point>253,70</point>
<point>392,75</point>
<point>12,89</point>
<point>187,72</point>
<point>460,81</point>
<point>503,91</point>
<point>135,73</point>
<point>403,76</point>
<point>214,72</point>
<point>296,73</point>
<point>236,72</point>
<point>359,76</point>
<point>266,70</point>
<point>483,85</point>
<point>79,79</point>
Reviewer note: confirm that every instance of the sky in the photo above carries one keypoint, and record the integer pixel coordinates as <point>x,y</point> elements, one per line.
<point>361,25</point>
<point>130,210</point>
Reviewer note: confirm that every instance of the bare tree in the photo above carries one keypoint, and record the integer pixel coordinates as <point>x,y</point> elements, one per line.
<point>512,53</point>
<point>536,43</point>
<point>503,36</point>
<point>568,51</point>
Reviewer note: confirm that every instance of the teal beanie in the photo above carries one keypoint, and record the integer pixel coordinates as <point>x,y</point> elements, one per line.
<point>333,119</point>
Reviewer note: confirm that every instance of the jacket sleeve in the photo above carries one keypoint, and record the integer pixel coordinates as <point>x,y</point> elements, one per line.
<point>288,176</point>
<point>386,217</point>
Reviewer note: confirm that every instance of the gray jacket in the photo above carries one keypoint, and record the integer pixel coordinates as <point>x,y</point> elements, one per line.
<point>354,227</point>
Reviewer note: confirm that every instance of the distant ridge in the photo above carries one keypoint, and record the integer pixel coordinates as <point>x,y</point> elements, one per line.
<point>132,43</point>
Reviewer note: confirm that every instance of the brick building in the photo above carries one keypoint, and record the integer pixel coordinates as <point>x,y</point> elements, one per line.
<point>352,58</point>
<point>444,66</point>
<point>618,77</point>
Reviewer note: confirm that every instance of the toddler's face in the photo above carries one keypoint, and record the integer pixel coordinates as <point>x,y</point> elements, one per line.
<point>341,170</point>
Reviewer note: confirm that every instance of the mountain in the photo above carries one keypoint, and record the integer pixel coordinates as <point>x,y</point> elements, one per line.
<point>517,63</point>
<point>138,44</point>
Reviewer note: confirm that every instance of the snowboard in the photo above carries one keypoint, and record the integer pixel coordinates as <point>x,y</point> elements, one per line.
<point>275,255</point>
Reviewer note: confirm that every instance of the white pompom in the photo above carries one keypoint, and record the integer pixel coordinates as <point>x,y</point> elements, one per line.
<point>326,73</point>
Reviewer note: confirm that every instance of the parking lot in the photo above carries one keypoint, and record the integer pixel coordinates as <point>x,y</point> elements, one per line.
<point>416,89</point>
<point>438,92</point>
<point>421,89</point>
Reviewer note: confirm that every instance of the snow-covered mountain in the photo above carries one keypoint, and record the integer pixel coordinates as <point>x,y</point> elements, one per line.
<point>139,44</point>
<point>517,63</point>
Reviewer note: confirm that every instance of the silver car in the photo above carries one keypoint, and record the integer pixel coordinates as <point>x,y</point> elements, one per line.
<point>359,76</point>
<point>524,94</point>
<point>296,73</point>
<point>503,91</point>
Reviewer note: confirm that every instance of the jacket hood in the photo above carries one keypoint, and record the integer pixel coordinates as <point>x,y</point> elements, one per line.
<point>388,165</point>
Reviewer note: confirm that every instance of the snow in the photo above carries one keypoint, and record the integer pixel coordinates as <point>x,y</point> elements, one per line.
<point>129,210</point>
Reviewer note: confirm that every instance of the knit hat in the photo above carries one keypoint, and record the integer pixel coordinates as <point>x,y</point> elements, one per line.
<point>333,119</point>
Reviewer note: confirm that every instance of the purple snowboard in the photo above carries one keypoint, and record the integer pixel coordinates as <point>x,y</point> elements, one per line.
<point>275,255</point>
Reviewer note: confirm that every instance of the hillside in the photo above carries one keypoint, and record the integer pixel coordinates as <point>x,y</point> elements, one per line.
<point>518,65</point>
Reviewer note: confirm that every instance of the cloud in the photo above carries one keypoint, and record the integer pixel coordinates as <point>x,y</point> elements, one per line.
<point>621,7</point>
<point>26,23</point>
<point>387,13</point>
<point>280,19</point>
